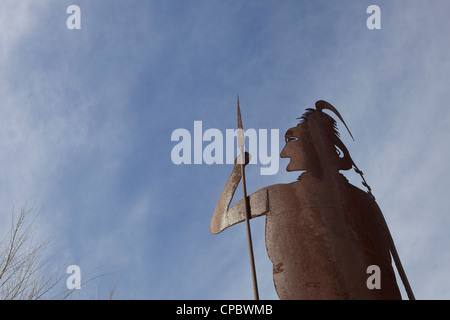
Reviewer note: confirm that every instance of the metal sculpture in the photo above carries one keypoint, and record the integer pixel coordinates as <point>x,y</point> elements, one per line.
<point>322,233</point>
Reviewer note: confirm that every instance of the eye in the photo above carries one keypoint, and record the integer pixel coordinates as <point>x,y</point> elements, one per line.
<point>290,139</point>
<point>339,152</point>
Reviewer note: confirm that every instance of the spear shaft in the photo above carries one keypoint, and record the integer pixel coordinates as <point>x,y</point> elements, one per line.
<point>241,144</point>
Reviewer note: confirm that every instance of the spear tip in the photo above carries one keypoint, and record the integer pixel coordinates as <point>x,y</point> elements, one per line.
<point>241,140</point>
<point>239,114</point>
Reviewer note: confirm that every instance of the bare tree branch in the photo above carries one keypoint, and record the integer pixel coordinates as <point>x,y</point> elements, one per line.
<point>24,275</point>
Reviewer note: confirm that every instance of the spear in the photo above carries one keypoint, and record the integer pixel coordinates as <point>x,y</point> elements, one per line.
<point>241,144</point>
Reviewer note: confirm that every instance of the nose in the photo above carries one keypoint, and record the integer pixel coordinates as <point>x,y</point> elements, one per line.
<point>283,153</point>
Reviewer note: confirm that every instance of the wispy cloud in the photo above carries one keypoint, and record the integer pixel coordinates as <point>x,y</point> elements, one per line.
<point>86,120</point>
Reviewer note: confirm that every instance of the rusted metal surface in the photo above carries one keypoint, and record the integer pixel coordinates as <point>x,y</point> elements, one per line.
<point>322,233</point>
<point>241,144</point>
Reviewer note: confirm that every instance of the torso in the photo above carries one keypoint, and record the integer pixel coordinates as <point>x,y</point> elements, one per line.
<point>321,238</point>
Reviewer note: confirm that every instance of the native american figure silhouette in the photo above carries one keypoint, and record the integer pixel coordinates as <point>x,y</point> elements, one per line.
<point>322,233</point>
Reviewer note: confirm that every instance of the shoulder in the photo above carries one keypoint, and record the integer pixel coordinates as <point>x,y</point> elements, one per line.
<point>282,191</point>
<point>367,207</point>
<point>361,197</point>
<point>278,196</point>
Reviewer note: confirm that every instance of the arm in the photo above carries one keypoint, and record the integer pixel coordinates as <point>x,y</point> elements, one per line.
<point>224,217</point>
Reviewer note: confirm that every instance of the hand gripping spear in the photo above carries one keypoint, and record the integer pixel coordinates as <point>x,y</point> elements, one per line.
<point>241,144</point>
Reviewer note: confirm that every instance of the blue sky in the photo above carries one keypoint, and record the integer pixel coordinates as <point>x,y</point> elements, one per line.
<point>86,118</point>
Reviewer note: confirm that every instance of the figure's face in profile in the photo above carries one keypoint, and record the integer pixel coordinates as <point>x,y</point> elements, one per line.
<point>295,148</point>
